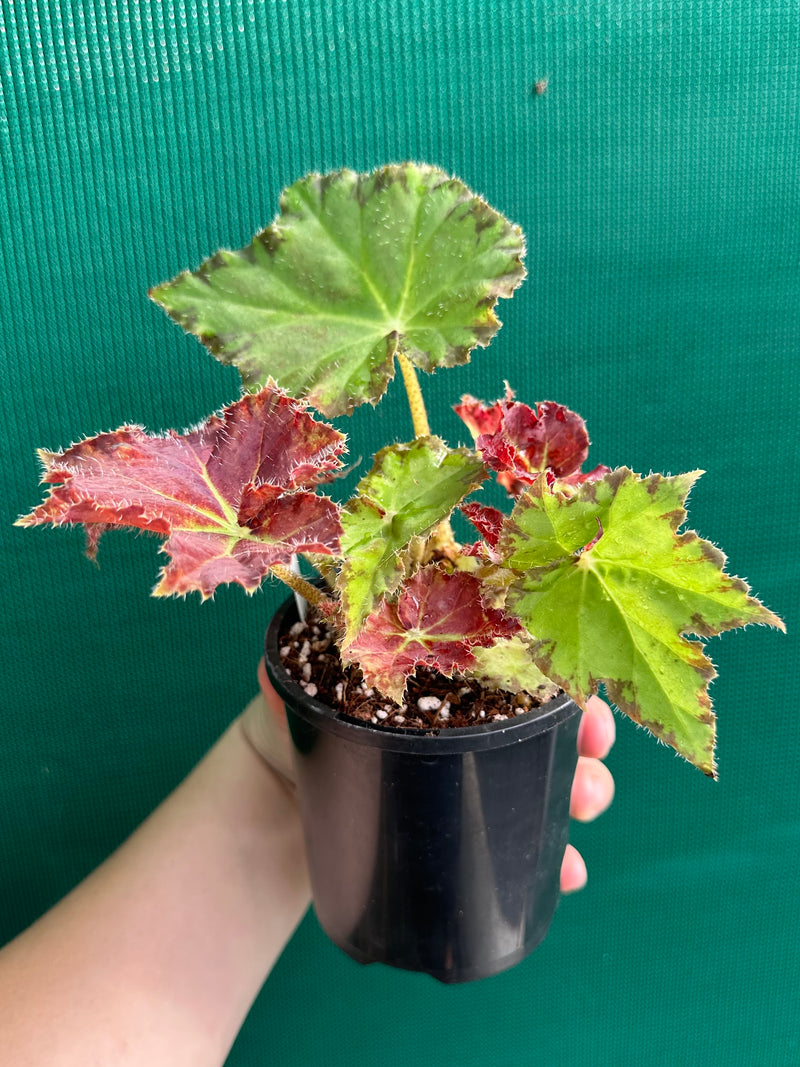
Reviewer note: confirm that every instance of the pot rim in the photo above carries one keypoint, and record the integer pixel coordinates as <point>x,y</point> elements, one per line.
<point>401,739</point>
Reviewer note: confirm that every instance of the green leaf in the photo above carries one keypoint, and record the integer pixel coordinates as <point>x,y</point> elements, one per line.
<point>355,269</point>
<point>410,490</point>
<point>510,665</point>
<point>607,588</point>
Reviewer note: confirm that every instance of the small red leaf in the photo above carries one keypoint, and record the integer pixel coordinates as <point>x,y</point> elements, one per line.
<point>231,496</point>
<point>487,521</point>
<point>594,475</point>
<point>436,621</point>
<point>477,549</point>
<point>552,436</point>
<point>480,418</point>
<point>489,524</point>
<point>520,442</point>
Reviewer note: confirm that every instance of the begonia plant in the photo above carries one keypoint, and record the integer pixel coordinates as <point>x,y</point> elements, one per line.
<point>588,580</point>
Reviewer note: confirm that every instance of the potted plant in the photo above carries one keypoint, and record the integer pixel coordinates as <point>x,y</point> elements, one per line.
<point>433,692</point>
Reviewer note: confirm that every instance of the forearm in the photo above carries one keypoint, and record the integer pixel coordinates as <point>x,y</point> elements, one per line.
<point>156,957</point>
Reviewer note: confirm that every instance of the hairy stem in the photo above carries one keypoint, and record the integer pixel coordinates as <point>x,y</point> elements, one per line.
<point>300,585</point>
<point>419,415</point>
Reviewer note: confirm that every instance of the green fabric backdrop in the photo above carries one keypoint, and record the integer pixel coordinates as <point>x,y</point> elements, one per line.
<point>658,180</point>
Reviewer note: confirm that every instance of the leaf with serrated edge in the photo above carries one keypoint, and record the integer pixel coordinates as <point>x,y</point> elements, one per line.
<point>437,621</point>
<point>232,497</point>
<point>519,442</point>
<point>488,521</point>
<point>410,490</point>
<point>614,608</point>
<point>510,665</point>
<point>355,269</point>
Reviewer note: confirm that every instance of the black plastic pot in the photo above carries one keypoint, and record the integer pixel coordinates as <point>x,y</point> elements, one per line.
<point>433,853</point>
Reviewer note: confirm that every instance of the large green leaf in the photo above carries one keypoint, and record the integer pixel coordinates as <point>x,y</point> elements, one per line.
<point>410,490</point>
<point>607,587</point>
<point>355,269</point>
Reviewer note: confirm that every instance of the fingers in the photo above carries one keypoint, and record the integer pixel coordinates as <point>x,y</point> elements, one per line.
<point>593,785</point>
<point>592,789</point>
<point>573,871</point>
<point>274,702</point>
<point>265,726</point>
<point>597,731</point>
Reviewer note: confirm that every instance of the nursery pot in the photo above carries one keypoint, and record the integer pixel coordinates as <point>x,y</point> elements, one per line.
<point>438,853</point>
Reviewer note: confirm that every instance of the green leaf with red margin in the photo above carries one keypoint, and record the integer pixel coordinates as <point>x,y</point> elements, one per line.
<point>437,621</point>
<point>409,491</point>
<point>232,497</point>
<point>356,269</point>
<point>608,588</point>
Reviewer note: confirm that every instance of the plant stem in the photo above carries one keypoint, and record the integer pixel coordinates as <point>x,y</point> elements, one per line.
<point>442,539</point>
<point>419,415</point>
<point>300,585</point>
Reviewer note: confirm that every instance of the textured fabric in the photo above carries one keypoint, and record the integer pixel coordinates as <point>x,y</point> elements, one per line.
<point>656,177</point>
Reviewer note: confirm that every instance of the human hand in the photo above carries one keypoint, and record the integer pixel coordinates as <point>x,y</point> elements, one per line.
<point>265,727</point>
<point>264,724</point>
<point>593,785</point>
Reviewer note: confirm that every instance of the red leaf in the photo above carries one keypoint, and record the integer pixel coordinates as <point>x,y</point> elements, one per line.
<point>520,442</point>
<point>436,621</point>
<point>298,522</point>
<point>551,436</point>
<point>479,417</point>
<point>487,521</point>
<point>598,472</point>
<point>489,524</point>
<point>231,496</point>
